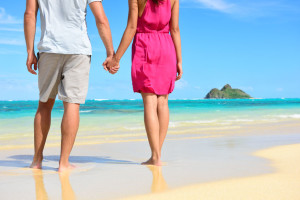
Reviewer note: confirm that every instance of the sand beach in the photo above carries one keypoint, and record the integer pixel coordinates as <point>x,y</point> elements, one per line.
<point>241,153</point>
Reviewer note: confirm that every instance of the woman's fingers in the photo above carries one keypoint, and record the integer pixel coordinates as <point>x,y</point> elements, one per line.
<point>114,69</point>
<point>179,74</point>
<point>178,77</point>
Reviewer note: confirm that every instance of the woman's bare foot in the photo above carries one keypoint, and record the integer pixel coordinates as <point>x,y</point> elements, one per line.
<point>66,167</point>
<point>152,161</point>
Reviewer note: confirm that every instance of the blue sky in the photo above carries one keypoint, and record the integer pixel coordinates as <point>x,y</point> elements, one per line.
<point>253,45</point>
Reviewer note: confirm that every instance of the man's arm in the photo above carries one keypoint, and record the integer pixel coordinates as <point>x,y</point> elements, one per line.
<point>29,31</point>
<point>103,27</point>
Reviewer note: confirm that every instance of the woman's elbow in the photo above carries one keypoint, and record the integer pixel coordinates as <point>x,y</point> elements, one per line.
<point>175,30</point>
<point>132,28</point>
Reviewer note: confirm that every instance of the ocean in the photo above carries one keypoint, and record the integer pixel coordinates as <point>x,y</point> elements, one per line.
<point>104,121</point>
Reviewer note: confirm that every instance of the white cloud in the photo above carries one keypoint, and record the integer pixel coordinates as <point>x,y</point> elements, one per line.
<point>11,29</point>
<point>181,84</point>
<point>247,88</point>
<point>219,5</point>
<point>10,52</point>
<point>279,89</point>
<point>253,8</point>
<point>8,19</point>
<point>12,42</point>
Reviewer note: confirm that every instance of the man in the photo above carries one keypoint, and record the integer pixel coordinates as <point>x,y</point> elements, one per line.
<point>63,65</point>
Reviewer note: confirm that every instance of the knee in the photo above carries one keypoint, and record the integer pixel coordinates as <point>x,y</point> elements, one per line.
<point>45,107</point>
<point>71,107</point>
<point>162,102</point>
<point>150,105</point>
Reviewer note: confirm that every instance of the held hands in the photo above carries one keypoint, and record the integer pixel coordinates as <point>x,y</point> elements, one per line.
<point>111,64</point>
<point>179,71</point>
<point>31,60</point>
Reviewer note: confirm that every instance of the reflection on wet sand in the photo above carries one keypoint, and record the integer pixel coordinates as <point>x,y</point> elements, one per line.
<point>66,188</point>
<point>158,183</point>
<point>40,190</point>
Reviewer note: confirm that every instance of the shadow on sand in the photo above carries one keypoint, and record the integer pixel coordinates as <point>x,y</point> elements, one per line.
<point>25,160</point>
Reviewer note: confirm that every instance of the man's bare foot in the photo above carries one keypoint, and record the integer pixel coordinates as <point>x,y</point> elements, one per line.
<point>67,167</point>
<point>36,163</point>
<point>151,161</point>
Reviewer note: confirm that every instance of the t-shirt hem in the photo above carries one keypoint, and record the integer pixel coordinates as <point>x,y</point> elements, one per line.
<point>67,52</point>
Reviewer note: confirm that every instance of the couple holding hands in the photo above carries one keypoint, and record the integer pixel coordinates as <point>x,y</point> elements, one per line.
<point>64,58</point>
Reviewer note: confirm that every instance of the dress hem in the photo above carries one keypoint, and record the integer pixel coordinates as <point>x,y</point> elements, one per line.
<point>147,90</point>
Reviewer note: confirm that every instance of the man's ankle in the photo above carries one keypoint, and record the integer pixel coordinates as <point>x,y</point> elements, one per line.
<point>38,158</point>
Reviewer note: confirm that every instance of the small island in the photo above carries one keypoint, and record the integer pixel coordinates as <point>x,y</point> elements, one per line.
<point>227,93</point>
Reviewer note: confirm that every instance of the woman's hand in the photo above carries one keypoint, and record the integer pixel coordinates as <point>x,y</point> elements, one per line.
<point>111,64</point>
<point>179,71</point>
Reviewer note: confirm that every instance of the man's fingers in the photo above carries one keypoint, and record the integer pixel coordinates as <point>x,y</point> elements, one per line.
<point>35,66</point>
<point>104,67</point>
<point>105,62</point>
<point>30,69</point>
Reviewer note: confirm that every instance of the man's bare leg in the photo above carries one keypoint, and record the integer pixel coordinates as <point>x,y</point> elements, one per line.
<point>42,122</point>
<point>69,128</point>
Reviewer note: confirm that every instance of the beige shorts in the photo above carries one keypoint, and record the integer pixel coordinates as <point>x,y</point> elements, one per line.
<point>65,75</point>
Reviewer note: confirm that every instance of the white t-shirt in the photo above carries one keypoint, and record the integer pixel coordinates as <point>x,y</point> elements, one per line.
<point>63,27</point>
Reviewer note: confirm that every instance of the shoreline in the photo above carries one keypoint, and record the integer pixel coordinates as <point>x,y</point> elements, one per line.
<point>104,169</point>
<point>201,131</point>
<point>283,183</point>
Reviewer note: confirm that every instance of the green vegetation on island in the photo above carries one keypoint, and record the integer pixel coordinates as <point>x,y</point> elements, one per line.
<point>227,93</point>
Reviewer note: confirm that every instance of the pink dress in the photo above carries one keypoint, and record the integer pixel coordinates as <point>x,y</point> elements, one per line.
<point>153,52</point>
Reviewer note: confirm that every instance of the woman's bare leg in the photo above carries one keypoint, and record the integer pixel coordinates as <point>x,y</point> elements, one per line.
<point>152,127</point>
<point>163,118</point>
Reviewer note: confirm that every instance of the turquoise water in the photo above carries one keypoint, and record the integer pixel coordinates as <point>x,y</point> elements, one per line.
<point>15,109</point>
<point>123,119</point>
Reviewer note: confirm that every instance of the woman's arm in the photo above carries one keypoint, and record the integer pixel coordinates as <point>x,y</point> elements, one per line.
<point>175,33</point>
<point>127,36</point>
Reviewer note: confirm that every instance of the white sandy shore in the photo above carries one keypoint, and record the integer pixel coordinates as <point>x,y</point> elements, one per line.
<point>283,184</point>
<point>215,166</point>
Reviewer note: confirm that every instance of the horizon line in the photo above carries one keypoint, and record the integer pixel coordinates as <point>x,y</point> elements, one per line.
<point>182,99</point>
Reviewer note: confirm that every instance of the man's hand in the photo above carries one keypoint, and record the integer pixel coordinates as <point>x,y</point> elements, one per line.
<point>31,60</point>
<point>105,62</point>
<point>179,71</point>
<point>111,64</point>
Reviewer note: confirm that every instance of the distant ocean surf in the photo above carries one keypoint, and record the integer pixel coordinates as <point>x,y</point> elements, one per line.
<point>107,120</point>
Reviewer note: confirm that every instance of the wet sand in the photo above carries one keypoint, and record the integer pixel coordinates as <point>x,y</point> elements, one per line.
<point>283,183</point>
<point>220,165</point>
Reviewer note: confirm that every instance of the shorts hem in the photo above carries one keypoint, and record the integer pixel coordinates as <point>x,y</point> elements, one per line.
<point>44,100</point>
<point>72,100</point>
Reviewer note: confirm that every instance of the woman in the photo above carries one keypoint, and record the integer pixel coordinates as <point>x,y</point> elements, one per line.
<point>156,60</point>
